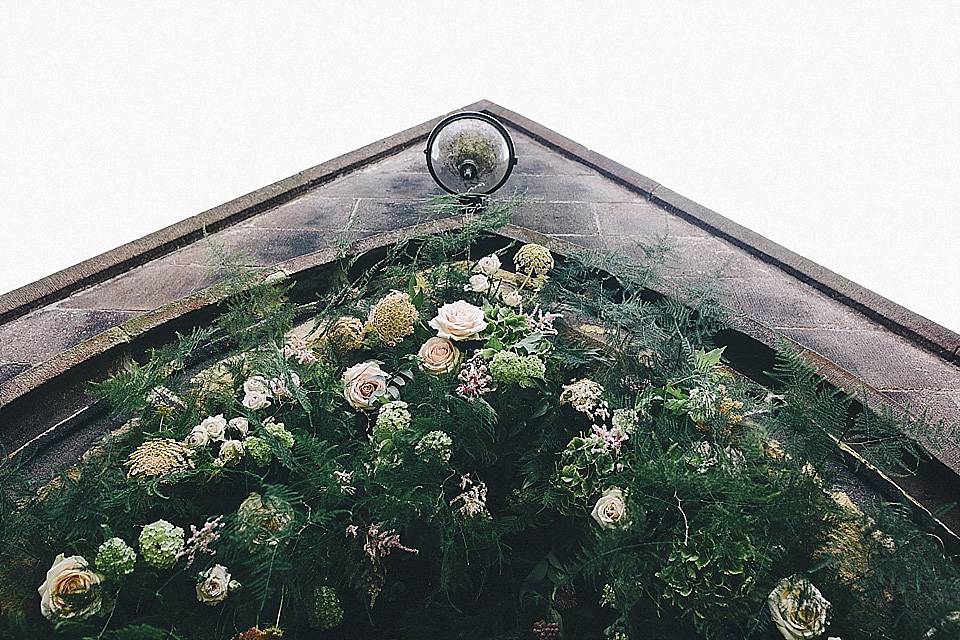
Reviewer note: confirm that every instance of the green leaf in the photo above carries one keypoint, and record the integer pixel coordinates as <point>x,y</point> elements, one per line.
<point>708,360</point>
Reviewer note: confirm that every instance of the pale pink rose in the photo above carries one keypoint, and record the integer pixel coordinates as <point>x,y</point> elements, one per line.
<point>438,356</point>
<point>459,320</point>
<point>214,585</point>
<point>363,383</point>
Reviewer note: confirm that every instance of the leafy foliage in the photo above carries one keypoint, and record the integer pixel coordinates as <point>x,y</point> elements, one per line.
<point>677,496</point>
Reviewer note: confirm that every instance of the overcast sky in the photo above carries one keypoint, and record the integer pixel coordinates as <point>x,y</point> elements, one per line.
<point>831,128</point>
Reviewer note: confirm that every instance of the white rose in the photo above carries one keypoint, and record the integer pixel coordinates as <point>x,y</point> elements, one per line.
<point>798,608</point>
<point>230,451</point>
<point>71,590</point>
<point>363,383</point>
<point>215,584</point>
<point>610,510</point>
<point>511,298</point>
<point>240,424</point>
<point>459,320</point>
<point>438,356</point>
<point>215,427</point>
<point>256,400</point>
<point>256,383</point>
<point>198,437</point>
<point>479,283</point>
<point>488,265</point>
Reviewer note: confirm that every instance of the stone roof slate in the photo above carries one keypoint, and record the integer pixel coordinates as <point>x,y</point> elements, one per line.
<point>856,337</point>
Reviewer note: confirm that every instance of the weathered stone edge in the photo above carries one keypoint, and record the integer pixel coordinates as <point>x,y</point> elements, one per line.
<point>59,285</point>
<point>919,330</point>
<point>126,332</point>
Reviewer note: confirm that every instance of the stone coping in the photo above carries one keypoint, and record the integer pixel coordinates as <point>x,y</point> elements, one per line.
<point>925,333</point>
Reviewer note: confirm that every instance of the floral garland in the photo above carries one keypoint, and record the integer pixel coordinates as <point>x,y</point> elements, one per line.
<point>432,386</point>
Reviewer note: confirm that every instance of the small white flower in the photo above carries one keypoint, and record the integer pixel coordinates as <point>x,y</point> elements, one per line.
<point>488,265</point>
<point>198,437</point>
<point>511,298</point>
<point>215,426</point>
<point>278,386</point>
<point>256,400</point>
<point>479,283</point>
<point>240,424</point>
<point>230,451</point>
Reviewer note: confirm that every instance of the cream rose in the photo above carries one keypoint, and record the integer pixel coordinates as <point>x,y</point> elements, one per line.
<point>363,383</point>
<point>438,356</point>
<point>798,608</point>
<point>459,320</point>
<point>611,509</point>
<point>215,426</point>
<point>256,383</point>
<point>198,437</point>
<point>215,584</point>
<point>479,283</point>
<point>488,265</point>
<point>256,400</point>
<point>71,590</point>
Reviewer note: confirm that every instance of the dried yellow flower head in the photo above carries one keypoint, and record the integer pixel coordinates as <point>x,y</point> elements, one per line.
<point>346,334</point>
<point>393,317</point>
<point>533,260</point>
<point>159,457</point>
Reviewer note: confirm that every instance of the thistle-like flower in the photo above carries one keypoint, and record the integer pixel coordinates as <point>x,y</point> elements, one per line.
<point>393,317</point>
<point>346,334</point>
<point>533,260</point>
<point>159,457</point>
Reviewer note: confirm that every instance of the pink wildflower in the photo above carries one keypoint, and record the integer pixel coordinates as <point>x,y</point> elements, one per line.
<point>201,539</point>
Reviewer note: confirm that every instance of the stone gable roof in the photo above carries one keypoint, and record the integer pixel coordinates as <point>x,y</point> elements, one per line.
<point>54,328</point>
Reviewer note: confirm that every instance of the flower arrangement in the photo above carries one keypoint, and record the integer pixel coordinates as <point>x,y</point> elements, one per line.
<point>464,463</point>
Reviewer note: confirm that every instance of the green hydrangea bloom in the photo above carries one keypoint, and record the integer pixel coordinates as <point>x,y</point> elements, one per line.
<point>327,612</point>
<point>626,420</point>
<point>511,368</point>
<point>435,447</point>
<point>115,558</point>
<point>161,543</point>
<point>259,450</point>
<point>392,418</point>
<point>278,431</point>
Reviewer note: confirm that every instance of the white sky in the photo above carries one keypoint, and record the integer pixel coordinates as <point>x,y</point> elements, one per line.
<point>831,128</point>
